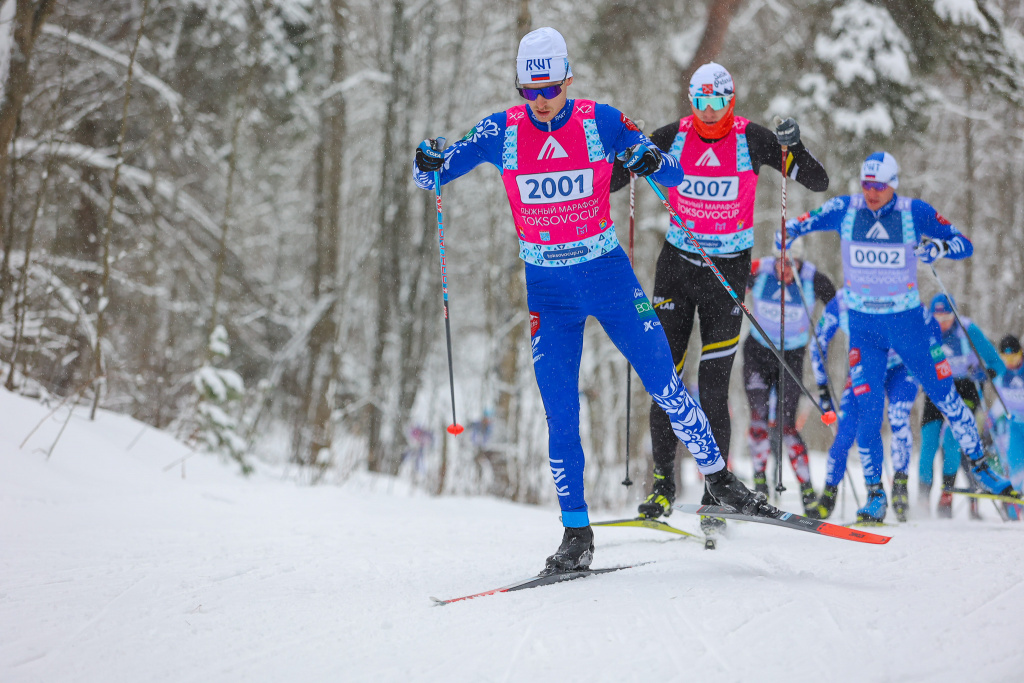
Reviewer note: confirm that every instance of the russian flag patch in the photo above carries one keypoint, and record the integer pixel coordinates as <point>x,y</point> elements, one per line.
<point>540,77</point>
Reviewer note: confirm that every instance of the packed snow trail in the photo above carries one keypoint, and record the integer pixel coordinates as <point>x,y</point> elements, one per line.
<point>113,569</point>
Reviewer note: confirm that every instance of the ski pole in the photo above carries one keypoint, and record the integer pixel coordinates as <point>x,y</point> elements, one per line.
<point>970,341</point>
<point>780,411</point>
<point>454,428</point>
<point>627,482</point>
<point>738,301</point>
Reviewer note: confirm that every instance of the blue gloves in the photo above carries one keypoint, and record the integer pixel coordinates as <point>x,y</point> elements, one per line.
<point>643,160</point>
<point>931,250</point>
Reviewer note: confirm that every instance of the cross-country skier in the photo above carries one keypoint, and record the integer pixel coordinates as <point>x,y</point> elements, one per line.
<point>722,155</point>
<point>901,390</point>
<point>968,370</point>
<point>881,237</point>
<point>1008,431</point>
<point>804,284</point>
<point>555,156</point>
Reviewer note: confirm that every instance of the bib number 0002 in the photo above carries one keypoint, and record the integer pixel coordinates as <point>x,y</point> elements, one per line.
<point>558,186</point>
<point>876,257</point>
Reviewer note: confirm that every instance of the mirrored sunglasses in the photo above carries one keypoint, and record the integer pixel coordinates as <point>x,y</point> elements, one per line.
<point>873,185</point>
<point>716,102</point>
<point>548,92</point>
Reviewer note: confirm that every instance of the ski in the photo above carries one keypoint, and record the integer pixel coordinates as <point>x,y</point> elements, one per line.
<point>988,496</point>
<point>647,523</point>
<point>789,521</point>
<point>535,581</point>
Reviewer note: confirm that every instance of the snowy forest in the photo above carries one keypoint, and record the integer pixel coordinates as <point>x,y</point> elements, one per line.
<point>208,219</point>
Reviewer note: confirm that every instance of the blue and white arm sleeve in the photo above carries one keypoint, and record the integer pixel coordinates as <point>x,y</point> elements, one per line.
<point>618,133</point>
<point>829,216</point>
<point>930,223</point>
<point>825,330</point>
<point>482,144</point>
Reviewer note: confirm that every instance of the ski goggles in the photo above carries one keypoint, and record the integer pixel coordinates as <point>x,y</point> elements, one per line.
<point>547,92</point>
<point>873,185</point>
<point>716,102</point>
<point>1012,359</point>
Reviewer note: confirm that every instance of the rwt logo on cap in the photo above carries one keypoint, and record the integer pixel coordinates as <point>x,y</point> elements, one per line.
<point>540,69</point>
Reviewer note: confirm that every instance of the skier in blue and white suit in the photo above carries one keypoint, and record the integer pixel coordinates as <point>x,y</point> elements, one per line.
<point>881,237</point>
<point>555,157</point>
<point>900,388</point>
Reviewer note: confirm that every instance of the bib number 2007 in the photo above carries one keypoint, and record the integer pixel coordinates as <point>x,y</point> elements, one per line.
<point>559,186</point>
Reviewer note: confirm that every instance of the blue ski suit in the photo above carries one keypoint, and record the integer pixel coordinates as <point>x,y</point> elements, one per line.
<point>967,373</point>
<point>1008,434</point>
<point>885,312</point>
<point>565,287</point>
<point>900,388</point>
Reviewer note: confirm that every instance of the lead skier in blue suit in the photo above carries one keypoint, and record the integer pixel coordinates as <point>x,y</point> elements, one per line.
<point>881,236</point>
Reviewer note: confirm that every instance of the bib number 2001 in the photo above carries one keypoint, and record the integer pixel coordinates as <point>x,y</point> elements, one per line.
<point>559,186</point>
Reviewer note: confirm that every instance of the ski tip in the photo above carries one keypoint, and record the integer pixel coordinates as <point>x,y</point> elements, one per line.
<point>438,601</point>
<point>829,418</point>
<point>456,429</point>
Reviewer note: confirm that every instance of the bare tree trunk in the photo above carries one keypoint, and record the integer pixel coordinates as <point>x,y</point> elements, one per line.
<point>108,228</point>
<point>968,266</point>
<point>393,222</point>
<point>29,18</point>
<point>523,19</point>
<point>316,432</point>
<point>720,14</point>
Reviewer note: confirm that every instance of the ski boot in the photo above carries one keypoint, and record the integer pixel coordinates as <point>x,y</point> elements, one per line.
<point>574,554</point>
<point>874,510</point>
<point>710,526</point>
<point>945,508</point>
<point>724,487</point>
<point>900,496</point>
<point>761,483</point>
<point>826,504</point>
<point>924,495</point>
<point>973,511</point>
<point>663,494</point>
<point>989,480</point>
<point>808,498</point>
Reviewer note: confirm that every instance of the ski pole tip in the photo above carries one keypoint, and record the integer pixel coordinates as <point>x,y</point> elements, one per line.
<point>829,418</point>
<point>455,429</point>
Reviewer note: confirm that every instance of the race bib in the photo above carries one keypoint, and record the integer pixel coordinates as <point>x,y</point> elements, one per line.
<point>866,256</point>
<point>715,189</point>
<point>555,187</point>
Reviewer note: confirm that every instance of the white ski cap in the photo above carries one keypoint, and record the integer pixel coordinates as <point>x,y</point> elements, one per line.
<point>795,250</point>
<point>711,79</point>
<point>881,167</point>
<point>543,57</point>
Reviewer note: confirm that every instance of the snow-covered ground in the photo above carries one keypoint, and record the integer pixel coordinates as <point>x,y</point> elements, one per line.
<point>113,567</point>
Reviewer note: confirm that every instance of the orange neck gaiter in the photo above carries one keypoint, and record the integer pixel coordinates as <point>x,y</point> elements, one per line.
<point>714,131</point>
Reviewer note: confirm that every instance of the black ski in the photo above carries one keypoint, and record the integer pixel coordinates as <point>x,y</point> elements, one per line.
<point>787,520</point>
<point>535,581</point>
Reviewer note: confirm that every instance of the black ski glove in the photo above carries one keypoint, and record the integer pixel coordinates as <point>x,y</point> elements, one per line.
<point>787,132</point>
<point>825,397</point>
<point>429,157</point>
<point>643,160</point>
